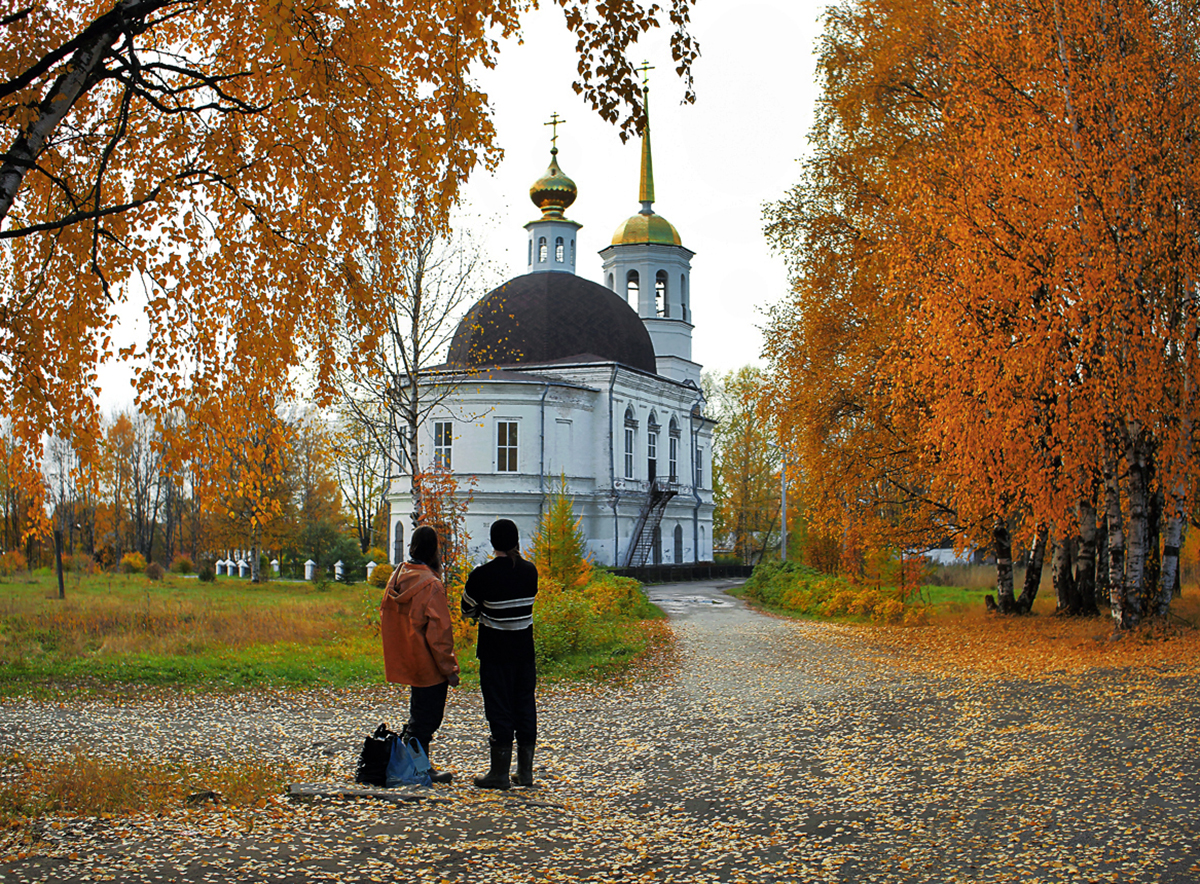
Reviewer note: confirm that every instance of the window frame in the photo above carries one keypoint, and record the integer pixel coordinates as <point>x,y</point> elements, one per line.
<point>508,449</point>
<point>630,444</point>
<point>443,445</point>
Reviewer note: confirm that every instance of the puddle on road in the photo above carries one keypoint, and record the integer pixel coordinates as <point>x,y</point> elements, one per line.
<point>676,601</point>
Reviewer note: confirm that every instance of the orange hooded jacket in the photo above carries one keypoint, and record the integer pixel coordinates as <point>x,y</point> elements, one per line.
<point>418,635</point>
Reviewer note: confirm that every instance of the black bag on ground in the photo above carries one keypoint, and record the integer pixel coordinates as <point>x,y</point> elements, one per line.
<point>373,761</point>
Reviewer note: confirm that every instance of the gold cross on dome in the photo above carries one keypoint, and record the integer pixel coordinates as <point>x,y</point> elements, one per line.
<point>555,119</point>
<point>644,69</point>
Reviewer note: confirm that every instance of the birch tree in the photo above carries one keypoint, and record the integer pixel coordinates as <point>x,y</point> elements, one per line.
<point>207,158</point>
<point>1010,189</point>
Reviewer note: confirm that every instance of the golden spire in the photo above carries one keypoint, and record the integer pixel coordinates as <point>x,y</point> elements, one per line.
<point>646,185</point>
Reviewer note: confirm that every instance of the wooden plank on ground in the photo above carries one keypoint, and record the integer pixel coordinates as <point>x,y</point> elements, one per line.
<point>343,792</point>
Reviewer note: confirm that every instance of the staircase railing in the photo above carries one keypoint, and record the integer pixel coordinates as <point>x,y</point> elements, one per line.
<point>642,541</point>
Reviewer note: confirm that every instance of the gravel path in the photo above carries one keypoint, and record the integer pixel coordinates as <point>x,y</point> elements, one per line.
<point>773,752</point>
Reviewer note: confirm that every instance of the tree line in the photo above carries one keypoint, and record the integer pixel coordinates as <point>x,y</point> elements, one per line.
<point>320,498</point>
<point>993,329</point>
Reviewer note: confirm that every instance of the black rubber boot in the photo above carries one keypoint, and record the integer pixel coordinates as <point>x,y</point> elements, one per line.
<point>435,776</point>
<point>524,775</point>
<point>497,777</point>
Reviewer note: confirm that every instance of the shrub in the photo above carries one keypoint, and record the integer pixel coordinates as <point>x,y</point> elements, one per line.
<point>133,563</point>
<point>375,554</point>
<point>154,571</point>
<point>889,611</point>
<point>181,564</point>
<point>380,576</point>
<point>611,596</point>
<point>208,572</point>
<point>11,562</point>
<point>560,619</point>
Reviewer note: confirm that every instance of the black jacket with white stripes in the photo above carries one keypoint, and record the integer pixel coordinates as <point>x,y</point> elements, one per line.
<point>500,594</point>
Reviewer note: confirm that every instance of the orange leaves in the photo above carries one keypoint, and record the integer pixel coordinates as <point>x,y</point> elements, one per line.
<point>992,255</point>
<point>217,160</point>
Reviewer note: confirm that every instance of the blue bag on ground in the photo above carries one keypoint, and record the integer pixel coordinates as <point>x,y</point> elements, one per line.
<point>409,765</point>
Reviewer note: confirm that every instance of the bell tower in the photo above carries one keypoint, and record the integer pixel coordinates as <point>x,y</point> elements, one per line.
<point>551,246</point>
<point>647,264</point>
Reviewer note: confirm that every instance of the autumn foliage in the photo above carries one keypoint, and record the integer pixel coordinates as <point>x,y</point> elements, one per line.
<point>558,549</point>
<point>993,327</point>
<point>212,163</point>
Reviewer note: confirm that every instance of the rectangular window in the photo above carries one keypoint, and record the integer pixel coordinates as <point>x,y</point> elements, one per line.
<point>699,467</point>
<point>506,446</point>
<point>629,452</point>
<point>443,439</point>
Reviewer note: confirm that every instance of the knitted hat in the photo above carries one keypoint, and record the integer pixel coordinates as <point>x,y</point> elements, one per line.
<point>504,535</point>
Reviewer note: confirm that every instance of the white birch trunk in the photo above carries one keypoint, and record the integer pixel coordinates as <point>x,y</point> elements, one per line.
<point>1116,540</point>
<point>1137,491</point>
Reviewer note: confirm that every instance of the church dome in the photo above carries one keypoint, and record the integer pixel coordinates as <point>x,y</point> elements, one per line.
<point>651,228</point>
<point>551,317</point>
<point>554,191</point>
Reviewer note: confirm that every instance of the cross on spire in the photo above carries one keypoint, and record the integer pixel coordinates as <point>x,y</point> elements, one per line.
<point>555,119</point>
<point>644,69</point>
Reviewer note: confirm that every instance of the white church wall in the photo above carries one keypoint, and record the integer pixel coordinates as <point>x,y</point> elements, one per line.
<point>576,419</point>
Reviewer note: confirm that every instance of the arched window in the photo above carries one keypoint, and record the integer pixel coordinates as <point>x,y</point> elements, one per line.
<point>530,251</point>
<point>630,433</point>
<point>683,295</point>
<point>673,450</point>
<point>661,307</point>
<point>631,289</point>
<point>541,250</point>
<point>678,545</point>
<point>398,545</point>
<point>559,252</point>
<point>652,447</point>
<point>612,287</point>
<point>656,537</point>
<point>572,251</point>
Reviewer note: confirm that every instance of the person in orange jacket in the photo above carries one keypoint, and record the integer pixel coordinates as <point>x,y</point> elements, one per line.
<point>418,638</point>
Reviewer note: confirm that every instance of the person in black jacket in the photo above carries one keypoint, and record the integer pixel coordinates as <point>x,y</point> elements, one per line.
<point>500,594</point>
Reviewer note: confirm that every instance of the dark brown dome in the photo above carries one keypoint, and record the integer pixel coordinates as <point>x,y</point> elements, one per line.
<point>549,317</point>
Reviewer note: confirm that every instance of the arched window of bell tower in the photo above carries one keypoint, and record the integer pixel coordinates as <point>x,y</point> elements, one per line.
<point>611,283</point>
<point>661,307</point>
<point>542,250</point>
<point>631,289</point>
<point>559,253</point>
<point>683,295</point>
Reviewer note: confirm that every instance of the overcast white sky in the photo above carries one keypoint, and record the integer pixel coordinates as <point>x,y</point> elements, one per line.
<point>716,162</point>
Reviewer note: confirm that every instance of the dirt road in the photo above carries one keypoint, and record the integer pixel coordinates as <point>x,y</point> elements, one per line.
<point>769,753</point>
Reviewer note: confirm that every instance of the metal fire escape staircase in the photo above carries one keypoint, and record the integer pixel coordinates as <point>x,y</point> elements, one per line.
<point>661,491</point>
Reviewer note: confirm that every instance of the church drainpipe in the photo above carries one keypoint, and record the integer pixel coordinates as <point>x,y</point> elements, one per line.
<point>698,404</point>
<point>542,464</point>
<point>612,473</point>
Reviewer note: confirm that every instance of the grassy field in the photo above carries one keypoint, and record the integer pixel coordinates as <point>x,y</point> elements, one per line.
<point>116,631</point>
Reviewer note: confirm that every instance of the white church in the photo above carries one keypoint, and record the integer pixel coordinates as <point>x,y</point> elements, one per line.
<point>554,376</point>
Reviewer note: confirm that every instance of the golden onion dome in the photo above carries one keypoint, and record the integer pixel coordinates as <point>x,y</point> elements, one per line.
<point>647,228</point>
<point>554,191</point>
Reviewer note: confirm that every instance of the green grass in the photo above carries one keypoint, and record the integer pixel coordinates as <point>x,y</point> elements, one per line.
<point>119,633</point>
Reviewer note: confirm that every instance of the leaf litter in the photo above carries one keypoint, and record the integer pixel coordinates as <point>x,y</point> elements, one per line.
<point>757,749</point>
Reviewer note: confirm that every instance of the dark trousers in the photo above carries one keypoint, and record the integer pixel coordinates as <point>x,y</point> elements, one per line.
<point>508,700</point>
<point>426,706</point>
